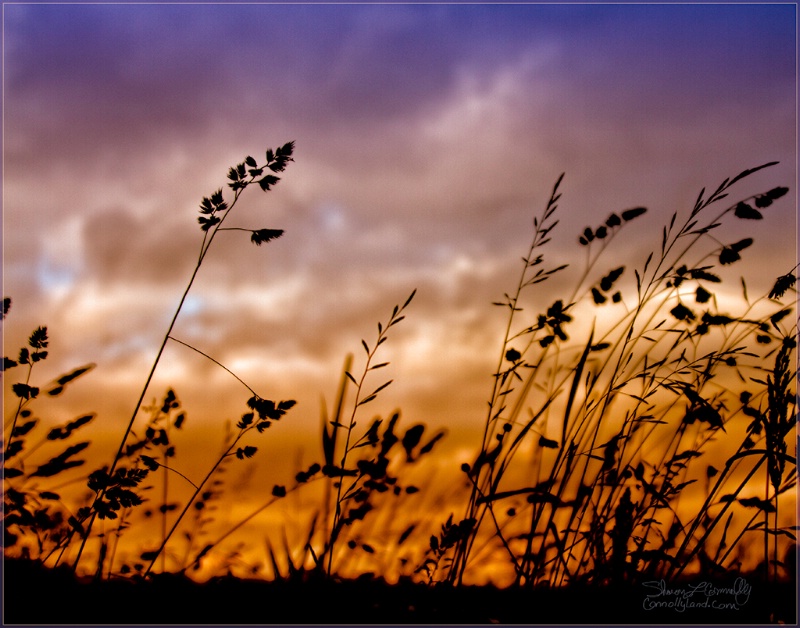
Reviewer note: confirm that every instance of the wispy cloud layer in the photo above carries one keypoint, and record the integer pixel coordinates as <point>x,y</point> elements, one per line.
<point>427,137</point>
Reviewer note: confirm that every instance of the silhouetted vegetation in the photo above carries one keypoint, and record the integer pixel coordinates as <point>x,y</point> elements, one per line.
<point>639,442</point>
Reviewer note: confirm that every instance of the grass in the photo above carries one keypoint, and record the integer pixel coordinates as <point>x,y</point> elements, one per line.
<point>623,415</point>
<point>635,433</point>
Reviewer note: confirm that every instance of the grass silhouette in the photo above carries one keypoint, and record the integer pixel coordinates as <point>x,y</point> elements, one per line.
<point>656,369</point>
<point>636,441</point>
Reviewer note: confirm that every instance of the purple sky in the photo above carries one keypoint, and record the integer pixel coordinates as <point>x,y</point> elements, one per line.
<point>427,136</point>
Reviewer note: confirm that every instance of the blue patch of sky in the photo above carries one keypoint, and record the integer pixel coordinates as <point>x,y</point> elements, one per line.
<point>54,278</point>
<point>193,305</point>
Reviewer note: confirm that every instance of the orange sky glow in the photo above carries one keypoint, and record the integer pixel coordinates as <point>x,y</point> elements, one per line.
<point>427,137</point>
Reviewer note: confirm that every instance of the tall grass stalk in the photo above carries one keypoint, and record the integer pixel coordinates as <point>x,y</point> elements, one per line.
<point>214,211</point>
<point>329,440</point>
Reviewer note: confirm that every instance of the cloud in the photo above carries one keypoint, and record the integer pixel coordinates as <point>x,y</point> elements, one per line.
<point>427,139</point>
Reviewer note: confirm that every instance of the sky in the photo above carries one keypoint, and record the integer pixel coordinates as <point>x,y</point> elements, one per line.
<point>427,137</point>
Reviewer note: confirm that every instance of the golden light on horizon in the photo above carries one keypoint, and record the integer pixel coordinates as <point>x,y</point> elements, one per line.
<point>436,294</point>
<point>676,364</point>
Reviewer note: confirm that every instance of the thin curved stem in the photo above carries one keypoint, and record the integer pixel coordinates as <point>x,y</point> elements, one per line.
<point>205,355</point>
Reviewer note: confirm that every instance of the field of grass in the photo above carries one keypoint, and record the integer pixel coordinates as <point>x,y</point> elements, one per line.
<point>637,463</point>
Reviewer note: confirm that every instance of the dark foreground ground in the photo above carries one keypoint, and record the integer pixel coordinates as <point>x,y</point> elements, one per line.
<point>36,596</point>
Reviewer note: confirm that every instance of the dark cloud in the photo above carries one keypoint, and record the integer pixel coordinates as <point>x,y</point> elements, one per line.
<point>120,247</point>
